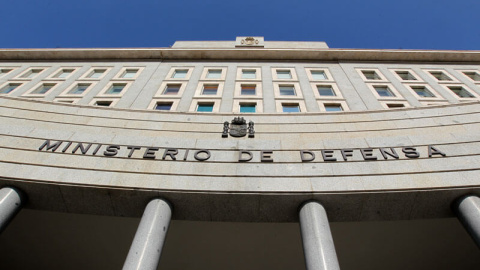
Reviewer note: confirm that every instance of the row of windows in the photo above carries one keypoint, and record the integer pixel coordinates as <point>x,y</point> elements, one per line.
<point>125,73</point>
<point>407,75</point>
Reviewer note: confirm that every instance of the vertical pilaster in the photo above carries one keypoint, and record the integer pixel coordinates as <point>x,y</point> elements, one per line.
<point>147,245</point>
<point>10,204</point>
<point>468,212</point>
<point>317,239</point>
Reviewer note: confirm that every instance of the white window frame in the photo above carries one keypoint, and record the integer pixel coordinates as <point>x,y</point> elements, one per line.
<point>429,88</point>
<point>65,93</point>
<point>199,90</point>
<point>154,102</point>
<point>12,69</point>
<point>258,90</point>
<point>258,73</point>
<point>470,70</point>
<point>385,104</point>
<point>222,75</point>
<point>324,70</point>
<point>453,81</point>
<point>376,70</point>
<point>59,70</point>
<point>91,70</point>
<point>279,104</point>
<point>397,94</point>
<point>19,76</point>
<point>434,103</point>
<point>413,73</point>
<point>292,72</point>
<point>296,85</point>
<point>336,90</point>
<point>103,93</point>
<point>258,104</point>
<point>12,82</point>
<point>119,74</point>
<point>113,100</point>
<point>163,86</point>
<point>170,74</point>
<point>474,93</point>
<point>322,103</point>
<point>38,85</point>
<point>195,102</point>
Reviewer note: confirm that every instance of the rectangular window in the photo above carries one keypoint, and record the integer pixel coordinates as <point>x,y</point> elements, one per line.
<point>319,75</point>
<point>129,73</point>
<point>333,107</point>
<point>163,106</point>
<point>248,107</point>
<point>210,89</point>
<point>461,92</point>
<point>384,91</point>
<point>9,88</point>
<point>371,75</point>
<point>290,107</point>
<point>441,76</point>
<point>284,74</point>
<point>325,90</point>
<point>43,89</point>
<point>103,103</point>
<point>96,73</point>
<point>472,75</point>
<point>79,89</point>
<point>287,90</point>
<point>31,73</point>
<point>395,105</point>
<point>422,91</point>
<point>249,74</point>
<point>205,107</point>
<point>116,88</point>
<point>248,90</point>
<point>172,89</point>
<point>405,75</point>
<point>214,74</point>
<point>64,73</point>
<point>180,73</point>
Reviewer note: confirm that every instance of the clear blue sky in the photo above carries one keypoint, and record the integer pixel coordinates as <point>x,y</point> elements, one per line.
<point>407,24</point>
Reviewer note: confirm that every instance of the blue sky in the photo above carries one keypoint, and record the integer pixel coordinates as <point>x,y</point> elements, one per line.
<point>406,24</point>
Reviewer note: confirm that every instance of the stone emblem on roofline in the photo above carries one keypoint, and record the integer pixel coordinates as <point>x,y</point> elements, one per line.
<point>238,128</point>
<point>249,42</point>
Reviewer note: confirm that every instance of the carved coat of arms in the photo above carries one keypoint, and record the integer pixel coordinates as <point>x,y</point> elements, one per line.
<point>238,128</point>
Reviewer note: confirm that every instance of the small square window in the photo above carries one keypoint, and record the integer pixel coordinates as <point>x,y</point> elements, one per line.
<point>180,73</point>
<point>79,89</point>
<point>284,74</point>
<point>461,92</point>
<point>290,108</point>
<point>472,75</point>
<point>248,90</point>
<point>422,91</point>
<point>116,88</point>
<point>371,75</point>
<point>384,91</point>
<point>319,75</point>
<point>96,73</point>
<point>9,88</point>
<point>441,76</point>
<point>4,71</point>
<point>248,107</point>
<point>326,90</point>
<point>31,73</point>
<point>210,89</point>
<point>205,107</point>
<point>43,89</point>
<point>249,74</point>
<point>172,89</point>
<point>333,107</point>
<point>214,74</point>
<point>103,103</point>
<point>64,73</point>
<point>287,90</point>
<point>163,106</point>
<point>405,75</point>
<point>395,105</point>
<point>129,73</point>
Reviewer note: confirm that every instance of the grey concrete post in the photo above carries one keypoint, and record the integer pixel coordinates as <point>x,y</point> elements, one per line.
<point>10,203</point>
<point>468,212</point>
<point>147,245</point>
<point>317,239</point>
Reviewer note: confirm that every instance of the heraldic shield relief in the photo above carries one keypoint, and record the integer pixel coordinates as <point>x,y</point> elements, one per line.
<point>238,128</point>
